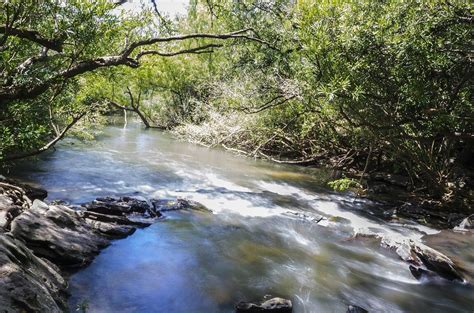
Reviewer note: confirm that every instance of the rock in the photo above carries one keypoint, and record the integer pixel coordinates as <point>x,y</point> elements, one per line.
<point>31,192</point>
<point>120,220</point>
<point>28,283</point>
<point>420,254</point>
<point>420,273</point>
<point>35,193</point>
<point>8,211</point>
<point>120,206</point>
<point>379,188</point>
<point>58,234</point>
<point>163,205</point>
<point>437,262</point>
<point>466,224</point>
<point>277,305</point>
<point>112,230</point>
<point>356,309</point>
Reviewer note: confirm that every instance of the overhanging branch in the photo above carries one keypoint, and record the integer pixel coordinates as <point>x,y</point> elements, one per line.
<point>197,50</point>
<point>32,35</point>
<point>12,92</point>
<point>49,144</point>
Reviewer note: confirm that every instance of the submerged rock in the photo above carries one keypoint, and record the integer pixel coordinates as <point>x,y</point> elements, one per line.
<point>356,309</point>
<point>28,283</point>
<point>277,305</point>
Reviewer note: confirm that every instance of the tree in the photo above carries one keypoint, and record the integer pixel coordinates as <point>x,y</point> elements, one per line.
<point>46,46</point>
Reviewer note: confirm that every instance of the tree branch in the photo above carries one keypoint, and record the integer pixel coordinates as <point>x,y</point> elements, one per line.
<point>233,35</point>
<point>32,35</point>
<point>48,145</point>
<point>197,50</point>
<point>12,92</point>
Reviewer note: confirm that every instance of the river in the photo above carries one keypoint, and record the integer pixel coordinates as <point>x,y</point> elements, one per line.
<point>263,236</point>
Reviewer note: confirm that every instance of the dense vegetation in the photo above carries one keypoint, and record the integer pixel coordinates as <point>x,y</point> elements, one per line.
<point>365,86</point>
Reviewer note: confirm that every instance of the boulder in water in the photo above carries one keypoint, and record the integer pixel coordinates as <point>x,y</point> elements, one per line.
<point>420,273</point>
<point>118,206</point>
<point>466,224</point>
<point>273,305</point>
<point>112,230</point>
<point>163,205</point>
<point>421,255</point>
<point>356,309</point>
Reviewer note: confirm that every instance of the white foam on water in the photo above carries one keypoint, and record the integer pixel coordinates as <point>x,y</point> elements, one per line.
<point>215,181</point>
<point>219,204</point>
<point>391,234</point>
<point>285,190</point>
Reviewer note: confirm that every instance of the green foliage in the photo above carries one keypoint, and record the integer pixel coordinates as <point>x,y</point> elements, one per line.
<point>76,31</point>
<point>344,184</point>
<point>328,80</point>
<point>338,77</point>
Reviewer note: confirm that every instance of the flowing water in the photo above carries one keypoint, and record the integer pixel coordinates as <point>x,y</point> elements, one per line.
<point>263,236</point>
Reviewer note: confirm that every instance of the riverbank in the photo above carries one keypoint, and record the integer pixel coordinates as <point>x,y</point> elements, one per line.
<point>364,175</point>
<point>41,244</point>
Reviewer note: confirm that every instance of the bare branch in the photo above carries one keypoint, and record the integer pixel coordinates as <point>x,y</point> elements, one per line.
<point>197,50</point>
<point>147,42</point>
<point>269,104</point>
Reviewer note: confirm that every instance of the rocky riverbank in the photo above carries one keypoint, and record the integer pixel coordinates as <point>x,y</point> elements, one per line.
<point>41,243</point>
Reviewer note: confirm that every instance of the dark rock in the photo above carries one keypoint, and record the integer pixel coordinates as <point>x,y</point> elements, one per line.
<point>437,262</point>
<point>356,309</point>
<point>35,193</point>
<point>118,207</point>
<point>379,188</point>
<point>112,230</point>
<point>277,305</point>
<point>31,192</point>
<point>466,224</point>
<point>58,234</point>
<point>120,220</point>
<point>28,283</point>
<point>163,205</point>
<point>420,273</point>
<point>434,261</point>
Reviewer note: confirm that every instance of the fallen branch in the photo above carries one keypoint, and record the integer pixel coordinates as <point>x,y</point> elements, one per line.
<point>300,162</point>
